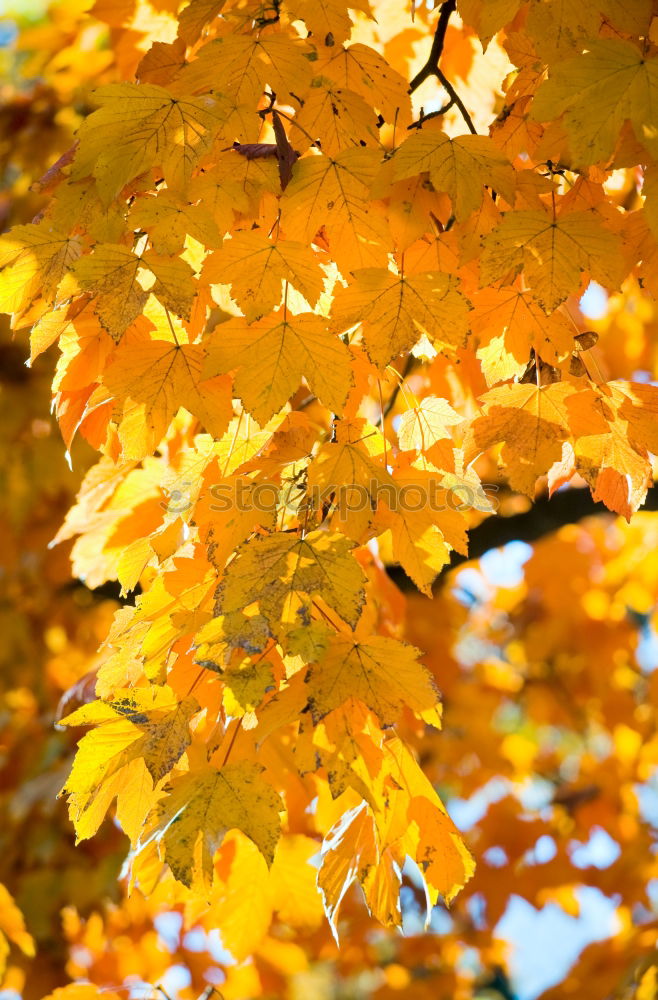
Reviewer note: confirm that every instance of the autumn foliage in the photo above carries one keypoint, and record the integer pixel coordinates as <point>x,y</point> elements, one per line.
<point>302,281</point>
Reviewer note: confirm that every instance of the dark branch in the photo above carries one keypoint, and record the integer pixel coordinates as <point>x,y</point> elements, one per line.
<point>431,114</point>
<point>431,67</point>
<point>445,82</point>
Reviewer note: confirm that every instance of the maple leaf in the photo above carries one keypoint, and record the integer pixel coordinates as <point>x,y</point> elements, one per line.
<point>33,261</point>
<point>431,838</point>
<point>257,267</point>
<point>334,193</point>
<point>264,164</point>
<point>241,65</point>
<point>203,805</point>
<point>365,72</point>
<point>338,118</point>
<point>168,221</point>
<point>532,421</point>
<point>423,425</point>
<point>112,273</point>
<point>488,16</point>
<point>141,126</point>
<point>382,673</point>
<point>12,929</point>
<point>427,521</point>
<point>613,435</point>
<point>193,18</point>
<point>350,853</point>
<point>158,377</point>
<point>277,569</point>
<point>553,252</point>
<point>328,19</point>
<point>148,725</point>
<point>597,91</point>
<point>461,167</point>
<point>349,474</point>
<point>510,324</point>
<point>270,357</point>
<point>396,310</point>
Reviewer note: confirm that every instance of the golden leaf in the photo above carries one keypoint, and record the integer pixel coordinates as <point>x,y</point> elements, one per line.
<point>200,809</point>
<point>461,167</point>
<point>271,356</point>
<point>382,673</point>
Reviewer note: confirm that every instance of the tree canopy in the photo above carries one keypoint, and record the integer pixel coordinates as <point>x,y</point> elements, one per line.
<point>328,300</point>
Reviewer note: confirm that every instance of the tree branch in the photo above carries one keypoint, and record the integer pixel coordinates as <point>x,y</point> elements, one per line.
<point>445,83</point>
<point>431,67</point>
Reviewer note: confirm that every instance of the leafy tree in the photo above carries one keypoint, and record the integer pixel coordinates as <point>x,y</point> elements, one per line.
<point>315,274</point>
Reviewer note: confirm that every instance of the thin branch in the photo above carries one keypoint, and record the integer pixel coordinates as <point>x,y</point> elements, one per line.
<point>445,82</point>
<point>431,67</point>
<point>431,114</point>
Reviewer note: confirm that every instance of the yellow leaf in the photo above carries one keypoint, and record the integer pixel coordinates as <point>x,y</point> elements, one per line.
<point>509,324</point>
<point>350,853</point>
<point>203,805</point>
<point>148,725</point>
<point>613,460</point>
<point>647,988</point>
<point>242,898</point>
<point>326,19</point>
<point>532,421</point>
<point>338,118</point>
<point>140,126</point>
<point>334,193</point>
<point>382,673</point>
<point>240,66</point>
<point>431,838</point>
<point>365,72</point>
<point>395,310</point>
<point>349,475</point>
<point>111,274</point>
<point>461,167</point>
<point>426,522</point>
<point>33,261</point>
<point>256,268</point>
<point>552,252</point>
<point>597,92</point>
<point>271,356</point>
<point>160,377</point>
<point>245,688</point>
<point>193,18</point>
<point>487,16</point>
<point>293,882</point>
<point>168,220</point>
<point>425,424</point>
<point>273,569</point>
<point>12,929</point>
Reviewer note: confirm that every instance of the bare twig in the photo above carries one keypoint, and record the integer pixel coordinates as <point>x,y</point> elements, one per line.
<point>431,68</point>
<point>445,83</point>
<point>431,114</point>
<point>432,65</point>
